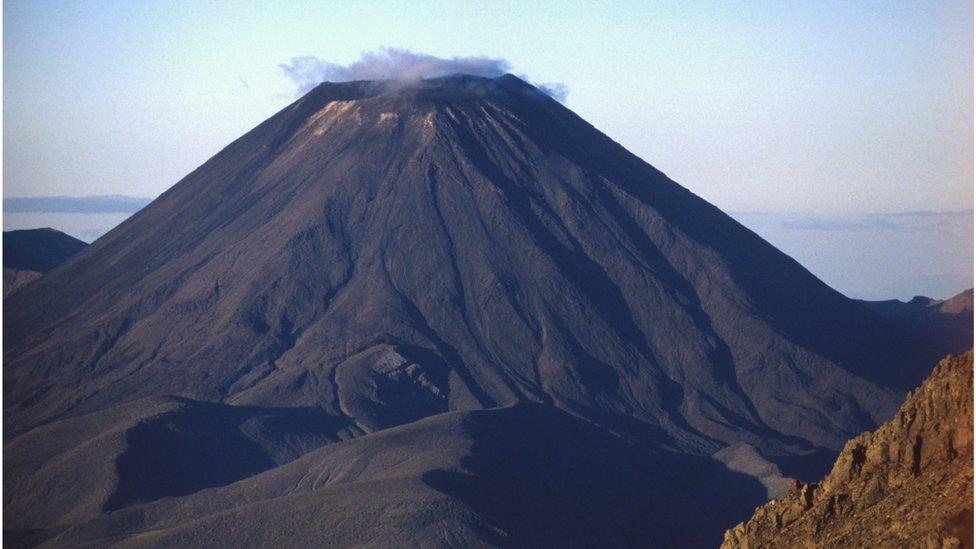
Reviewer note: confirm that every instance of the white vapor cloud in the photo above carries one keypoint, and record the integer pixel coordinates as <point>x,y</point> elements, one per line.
<point>554,90</point>
<point>399,64</point>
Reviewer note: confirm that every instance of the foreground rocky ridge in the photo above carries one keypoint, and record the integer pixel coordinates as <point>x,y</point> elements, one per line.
<point>909,482</point>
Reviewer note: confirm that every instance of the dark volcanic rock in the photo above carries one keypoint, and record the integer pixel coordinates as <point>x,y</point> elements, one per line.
<point>512,251</point>
<point>907,484</point>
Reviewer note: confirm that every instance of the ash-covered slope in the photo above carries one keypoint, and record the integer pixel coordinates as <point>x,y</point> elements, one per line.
<point>907,484</point>
<point>390,252</point>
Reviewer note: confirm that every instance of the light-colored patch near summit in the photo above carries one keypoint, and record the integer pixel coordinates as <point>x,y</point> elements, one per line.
<point>327,117</point>
<point>388,116</point>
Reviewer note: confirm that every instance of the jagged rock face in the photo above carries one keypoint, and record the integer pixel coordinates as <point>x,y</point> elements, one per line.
<point>495,242</point>
<point>909,483</point>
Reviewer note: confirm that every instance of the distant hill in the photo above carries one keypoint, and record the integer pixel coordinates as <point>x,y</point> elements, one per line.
<point>30,253</point>
<point>925,309</point>
<point>38,250</point>
<point>941,285</point>
<point>948,320</point>
<point>76,204</point>
<point>909,483</point>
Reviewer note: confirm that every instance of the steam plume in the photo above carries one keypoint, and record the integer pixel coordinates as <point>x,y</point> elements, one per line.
<point>399,64</point>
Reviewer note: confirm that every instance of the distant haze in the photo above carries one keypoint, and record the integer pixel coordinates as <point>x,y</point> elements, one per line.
<point>83,217</point>
<point>877,256</point>
<point>75,204</point>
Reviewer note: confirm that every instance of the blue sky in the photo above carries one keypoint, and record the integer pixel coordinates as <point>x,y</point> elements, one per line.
<point>814,108</point>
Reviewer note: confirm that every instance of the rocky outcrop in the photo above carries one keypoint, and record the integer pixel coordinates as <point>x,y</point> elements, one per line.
<point>909,483</point>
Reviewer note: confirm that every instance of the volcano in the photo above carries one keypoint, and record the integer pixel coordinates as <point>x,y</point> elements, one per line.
<point>378,253</point>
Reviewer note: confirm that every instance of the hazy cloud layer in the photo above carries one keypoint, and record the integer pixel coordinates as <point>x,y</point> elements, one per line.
<point>399,64</point>
<point>75,204</point>
<point>876,256</point>
<point>896,221</point>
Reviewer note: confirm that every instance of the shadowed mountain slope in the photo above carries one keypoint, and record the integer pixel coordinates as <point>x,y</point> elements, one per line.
<point>528,475</point>
<point>387,253</point>
<point>75,469</point>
